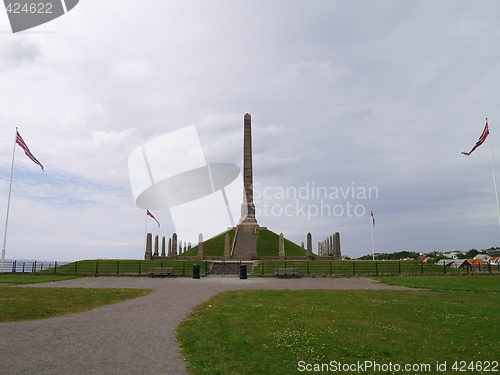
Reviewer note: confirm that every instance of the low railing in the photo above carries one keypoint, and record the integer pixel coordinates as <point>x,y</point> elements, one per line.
<point>111,267</point>
<point>260,268</point>
<point>29,266</point>
<point>367,268</point>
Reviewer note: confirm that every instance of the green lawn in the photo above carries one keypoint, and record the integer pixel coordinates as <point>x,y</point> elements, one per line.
<point>26,303</point>
<point>32,278</point>
<point>463,282</point>
<point>269,332</point>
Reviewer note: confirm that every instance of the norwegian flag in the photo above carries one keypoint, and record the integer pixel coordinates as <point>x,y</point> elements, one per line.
<point>24,146</point>
<point>154,218</point>
<point>481,139</point>
<point>373,217</point>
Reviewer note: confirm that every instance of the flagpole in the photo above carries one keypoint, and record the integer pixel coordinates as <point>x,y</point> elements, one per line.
<point>2,262</point>
<point>373,243</point>
<point>494,175</point>
<point>146,228</point>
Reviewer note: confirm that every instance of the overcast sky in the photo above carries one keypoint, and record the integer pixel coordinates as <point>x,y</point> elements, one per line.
<point>343,95</point>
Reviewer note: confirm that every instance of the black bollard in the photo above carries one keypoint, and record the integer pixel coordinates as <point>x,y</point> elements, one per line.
<point>243,271</point>
<point>196,271</point>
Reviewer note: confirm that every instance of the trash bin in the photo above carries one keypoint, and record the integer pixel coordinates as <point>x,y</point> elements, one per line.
<point>196,271</point>
<point>243,271</point>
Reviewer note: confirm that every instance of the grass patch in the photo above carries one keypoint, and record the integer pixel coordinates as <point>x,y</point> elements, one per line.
<point>463,282</point>
<point>268,245</point>
<point>268,332</point>
<point>33,278</point>
<point>213,247</point>
<point>19,304</point>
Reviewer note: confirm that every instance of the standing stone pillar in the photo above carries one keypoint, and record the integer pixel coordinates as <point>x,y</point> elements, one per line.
<point>337,254</point>
<point>227,250</point>
<point>180,247</point>
<point>302,244</point>
<point>281,254</point>
<point>156,246</point>
<point>174,246</point>
<point>169,247</point>
<point>189,246</point>
<point>163,246</point>
<point>309,253</point>
<point>200,247</point>
<point>149,247</point>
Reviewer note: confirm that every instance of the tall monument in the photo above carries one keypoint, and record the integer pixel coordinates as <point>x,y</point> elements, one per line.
<point>247,207</point>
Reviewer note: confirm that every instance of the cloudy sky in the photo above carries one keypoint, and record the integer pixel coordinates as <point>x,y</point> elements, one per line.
<point>375,96</point>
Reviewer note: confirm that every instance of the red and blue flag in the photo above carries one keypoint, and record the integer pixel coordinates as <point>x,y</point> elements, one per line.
<point>481,139</point>
<point>24,146</point>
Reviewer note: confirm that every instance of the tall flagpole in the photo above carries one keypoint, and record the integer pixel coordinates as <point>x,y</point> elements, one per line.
<point>494,175</point>
<point>373,243</point>
<point>2,262</point>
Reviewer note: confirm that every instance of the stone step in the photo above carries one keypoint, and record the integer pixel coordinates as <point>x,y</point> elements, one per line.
<point>245,243</point>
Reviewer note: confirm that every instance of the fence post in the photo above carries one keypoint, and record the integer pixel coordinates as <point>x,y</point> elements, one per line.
<point>117,267</point>
<point>489,268</point>
<point>444,267</point>
<point>76,266</point>
<point>399,268</point>
<point>262,268</point>
<point>24,263</point>
<point>307,267</point>
<point>140,267</point>
<point>422,267</point>
<point>33,267</point>
<point>183,267</point>
<point>55,266</point>
<point>353,268</point>
<point>376,268</point>
<point>14,266</point>
<point>331,273</point>
<point>96,267</point>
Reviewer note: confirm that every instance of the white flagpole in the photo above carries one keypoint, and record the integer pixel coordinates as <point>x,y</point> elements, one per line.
<point>373,243</point>
<point>494,175</point>
<point>2,262</point>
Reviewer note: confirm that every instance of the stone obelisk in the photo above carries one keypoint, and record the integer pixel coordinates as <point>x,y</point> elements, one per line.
<point>247,208</point>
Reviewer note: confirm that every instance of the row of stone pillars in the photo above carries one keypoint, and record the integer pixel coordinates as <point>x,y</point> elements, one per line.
<point>330,247</point>
<point>175,248</point>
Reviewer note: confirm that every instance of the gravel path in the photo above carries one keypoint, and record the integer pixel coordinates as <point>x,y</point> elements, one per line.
<point>132,337</point>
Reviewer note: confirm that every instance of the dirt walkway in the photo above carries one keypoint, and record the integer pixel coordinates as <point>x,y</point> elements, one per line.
<point>132,337</point>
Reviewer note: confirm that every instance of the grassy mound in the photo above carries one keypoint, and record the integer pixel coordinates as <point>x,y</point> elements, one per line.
<point>213,247</point>
<point>268,245</point>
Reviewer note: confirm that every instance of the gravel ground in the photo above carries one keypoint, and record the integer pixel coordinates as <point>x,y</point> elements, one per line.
<point>132,337</point>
